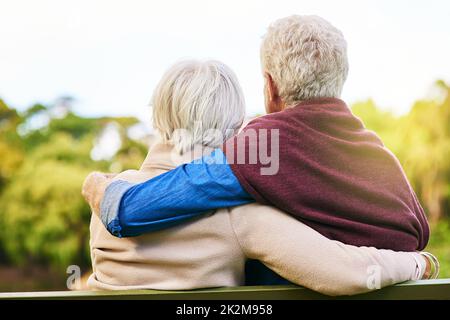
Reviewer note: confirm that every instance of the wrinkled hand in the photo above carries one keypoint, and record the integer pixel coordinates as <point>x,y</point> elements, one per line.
<point>94,187</point>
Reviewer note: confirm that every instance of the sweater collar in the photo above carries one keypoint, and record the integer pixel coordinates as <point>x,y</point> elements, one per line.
<point>321,101</point>
<point>165,157</point>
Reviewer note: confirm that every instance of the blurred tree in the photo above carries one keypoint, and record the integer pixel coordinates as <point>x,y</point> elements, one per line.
<point>11,152</point>
<point>44,218</point>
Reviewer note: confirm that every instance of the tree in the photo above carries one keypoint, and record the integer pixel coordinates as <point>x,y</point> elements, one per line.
<point>43,216</point>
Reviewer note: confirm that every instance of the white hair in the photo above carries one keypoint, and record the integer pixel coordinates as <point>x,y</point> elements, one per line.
<point>198,103</point>
<point>306,57</point>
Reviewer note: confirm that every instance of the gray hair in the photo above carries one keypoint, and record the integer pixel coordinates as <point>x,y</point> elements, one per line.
<point>306,57</point>
<point>198,103</point>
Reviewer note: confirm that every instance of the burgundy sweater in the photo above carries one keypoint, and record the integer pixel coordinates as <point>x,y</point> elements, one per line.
<point>335,176</point>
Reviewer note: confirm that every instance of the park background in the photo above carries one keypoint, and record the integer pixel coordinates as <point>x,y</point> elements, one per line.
<point>76,78</point>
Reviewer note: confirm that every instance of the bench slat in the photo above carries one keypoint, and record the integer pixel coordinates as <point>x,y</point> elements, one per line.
<point>414,290</point>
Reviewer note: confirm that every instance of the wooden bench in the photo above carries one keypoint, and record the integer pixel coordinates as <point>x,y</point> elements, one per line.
<point>415,290</point>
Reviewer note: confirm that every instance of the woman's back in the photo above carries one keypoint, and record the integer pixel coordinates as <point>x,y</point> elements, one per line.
<point>201,253</point>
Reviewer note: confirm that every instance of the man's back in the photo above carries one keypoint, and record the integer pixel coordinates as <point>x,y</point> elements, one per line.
<point>335,176</point>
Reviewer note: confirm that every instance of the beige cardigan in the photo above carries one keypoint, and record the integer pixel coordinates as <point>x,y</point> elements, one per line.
<point>211,251</point>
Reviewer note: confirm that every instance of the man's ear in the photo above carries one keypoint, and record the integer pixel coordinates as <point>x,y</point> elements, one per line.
<point>274,102</point>
<point>272,90</point>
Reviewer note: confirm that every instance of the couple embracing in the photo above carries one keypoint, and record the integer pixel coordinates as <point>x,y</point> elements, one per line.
<point>304,195</point>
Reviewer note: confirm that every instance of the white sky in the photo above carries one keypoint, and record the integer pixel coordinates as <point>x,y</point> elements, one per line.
<point>110,54</point>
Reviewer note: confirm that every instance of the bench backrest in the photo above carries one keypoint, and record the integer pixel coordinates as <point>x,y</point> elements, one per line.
<point>414,290</point>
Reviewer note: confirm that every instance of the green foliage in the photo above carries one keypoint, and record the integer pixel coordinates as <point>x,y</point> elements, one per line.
<point>11,153</point>
<point>440,246</point>
<point>43,217</point>
<point>46,218</point>
<point>73,125</point>
<point>34,109</point>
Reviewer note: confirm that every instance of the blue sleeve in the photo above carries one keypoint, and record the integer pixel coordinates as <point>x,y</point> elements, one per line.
<point>171,198</point>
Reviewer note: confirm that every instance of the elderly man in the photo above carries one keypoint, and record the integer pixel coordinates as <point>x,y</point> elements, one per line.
<point>325,169</point>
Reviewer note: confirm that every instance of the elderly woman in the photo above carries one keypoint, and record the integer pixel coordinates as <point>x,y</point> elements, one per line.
<point>212,251</point>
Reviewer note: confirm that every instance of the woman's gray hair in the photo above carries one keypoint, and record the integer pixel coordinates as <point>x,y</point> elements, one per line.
<point>198,103</point>
<point>306,57</point>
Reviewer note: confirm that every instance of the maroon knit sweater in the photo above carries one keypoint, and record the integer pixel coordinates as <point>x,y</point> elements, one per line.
<point>335,176</point>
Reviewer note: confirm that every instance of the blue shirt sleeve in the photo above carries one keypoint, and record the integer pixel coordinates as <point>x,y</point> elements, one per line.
<point>187,191</point>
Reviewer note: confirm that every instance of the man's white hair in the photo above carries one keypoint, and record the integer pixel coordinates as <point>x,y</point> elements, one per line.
<point>306,57</point>
<point>198,103</point>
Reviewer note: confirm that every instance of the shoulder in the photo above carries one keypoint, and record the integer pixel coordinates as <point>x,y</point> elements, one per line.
<point>257,215</point>
<point>134,176</point>
<point>268,121</point>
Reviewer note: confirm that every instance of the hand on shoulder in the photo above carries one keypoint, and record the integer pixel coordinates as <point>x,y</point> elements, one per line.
<point>94,187</point>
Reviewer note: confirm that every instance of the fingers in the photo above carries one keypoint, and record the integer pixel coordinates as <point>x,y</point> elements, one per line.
<point>109,175</point>
<point>94,187</point>
<point>91,180</point>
